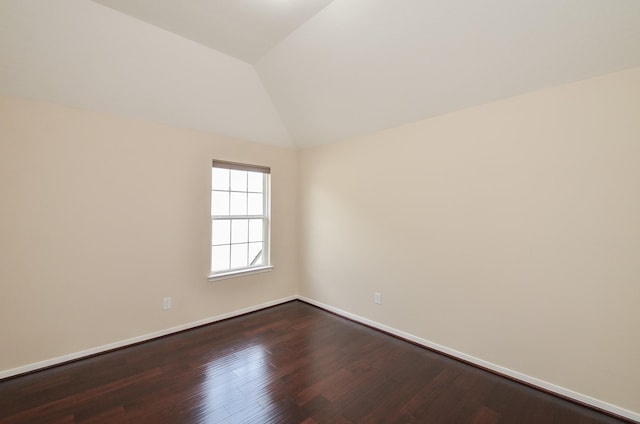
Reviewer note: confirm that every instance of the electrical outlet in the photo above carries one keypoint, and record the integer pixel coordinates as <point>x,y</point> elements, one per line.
<point>166,303</point>
<point>377,298</point>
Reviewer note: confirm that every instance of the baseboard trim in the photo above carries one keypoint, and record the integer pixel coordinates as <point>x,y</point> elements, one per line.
<point>497,369</point>
<point>135,340</point>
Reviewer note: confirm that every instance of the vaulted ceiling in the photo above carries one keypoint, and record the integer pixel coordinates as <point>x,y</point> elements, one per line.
<point>245,29</point>
<point>298,73</point>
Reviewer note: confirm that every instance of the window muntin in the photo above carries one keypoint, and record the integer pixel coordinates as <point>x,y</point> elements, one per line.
<point>239,217</point>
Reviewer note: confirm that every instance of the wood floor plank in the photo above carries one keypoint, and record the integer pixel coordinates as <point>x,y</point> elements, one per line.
<point>292,363</point>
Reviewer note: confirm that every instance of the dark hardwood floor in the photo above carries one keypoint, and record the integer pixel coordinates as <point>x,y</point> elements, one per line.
<point>292,363</point>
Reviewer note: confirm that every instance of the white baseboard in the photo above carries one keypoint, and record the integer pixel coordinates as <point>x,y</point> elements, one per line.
<point>596,403</point>
<point>82,354</point>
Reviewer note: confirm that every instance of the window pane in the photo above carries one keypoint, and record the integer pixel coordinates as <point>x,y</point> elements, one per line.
<point>221,232</point>
<point>255,181</point>
<point>255,204</point>
<point>238,243</point>
<point>255,254</point>
<point>238,204</point>
<point>255,230</point>
<point>220,203</point>
<point>219,179</point>
<point>240,231</point>
<point>220,258</point>
<point>238,180</point>
<point>239,255</point>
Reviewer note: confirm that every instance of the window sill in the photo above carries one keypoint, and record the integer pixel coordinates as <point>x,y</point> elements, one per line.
<point>239,273</point>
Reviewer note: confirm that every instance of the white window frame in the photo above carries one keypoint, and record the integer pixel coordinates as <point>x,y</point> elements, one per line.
<point>265,217</point>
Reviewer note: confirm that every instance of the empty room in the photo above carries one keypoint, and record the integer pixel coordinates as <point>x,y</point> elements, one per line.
<point>319,211</point>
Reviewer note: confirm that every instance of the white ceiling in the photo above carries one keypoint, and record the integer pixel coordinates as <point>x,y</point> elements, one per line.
<point>79,53</point>
<point>298,73</point>
<point>245,29</point>
<point>365,65</point>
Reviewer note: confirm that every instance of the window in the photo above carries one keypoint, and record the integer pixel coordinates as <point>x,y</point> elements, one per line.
<point>239,218</point>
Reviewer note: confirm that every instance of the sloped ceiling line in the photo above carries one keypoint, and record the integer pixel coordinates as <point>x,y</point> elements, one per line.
<point>303,73</point>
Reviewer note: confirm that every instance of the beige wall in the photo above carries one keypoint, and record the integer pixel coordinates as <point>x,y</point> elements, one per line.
<point>101,217</point>
<point>509,232</point>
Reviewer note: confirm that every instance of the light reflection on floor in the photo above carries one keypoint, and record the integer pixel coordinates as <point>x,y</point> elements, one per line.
<point>237,385</point>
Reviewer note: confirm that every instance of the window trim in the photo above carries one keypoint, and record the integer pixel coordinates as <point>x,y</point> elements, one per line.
<point>266,217</point>
<point>240,272</point>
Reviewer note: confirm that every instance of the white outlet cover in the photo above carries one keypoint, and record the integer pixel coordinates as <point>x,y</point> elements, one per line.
<point>166,303</point>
